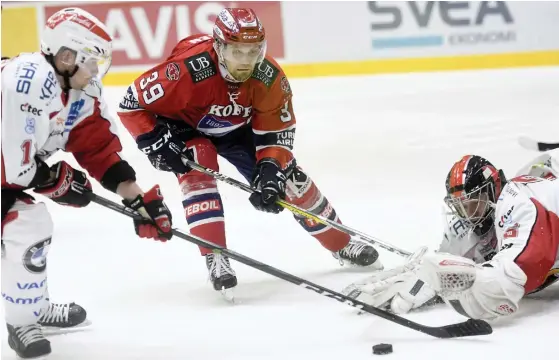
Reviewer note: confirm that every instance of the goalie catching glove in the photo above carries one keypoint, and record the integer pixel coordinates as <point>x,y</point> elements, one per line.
<point>398,290</point>
<point>157,219</point>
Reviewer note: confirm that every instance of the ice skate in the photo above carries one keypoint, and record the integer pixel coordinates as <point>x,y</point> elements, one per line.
<point>222,275</point>
<point>28,341</point>
<point>359,254</point>
<point>63,318</point>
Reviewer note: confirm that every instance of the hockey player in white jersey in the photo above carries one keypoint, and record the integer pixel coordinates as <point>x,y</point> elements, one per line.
<point>515,235</point>
<point>50,101</point>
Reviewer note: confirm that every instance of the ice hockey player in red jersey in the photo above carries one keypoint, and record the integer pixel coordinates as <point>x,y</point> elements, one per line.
<point>222,95</point>
<point>53,101</point>
<point>522,214</point>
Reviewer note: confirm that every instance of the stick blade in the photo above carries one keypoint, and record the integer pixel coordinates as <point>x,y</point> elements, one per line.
<point>534,145</point>
<point>472,327</point>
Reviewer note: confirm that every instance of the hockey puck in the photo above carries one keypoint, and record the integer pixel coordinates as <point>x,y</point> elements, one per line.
<point>382,349</point>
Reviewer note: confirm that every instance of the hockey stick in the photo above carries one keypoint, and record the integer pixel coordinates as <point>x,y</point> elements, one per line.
<point>299,211</point>
<point>534,145</point>
<point>468,328</point>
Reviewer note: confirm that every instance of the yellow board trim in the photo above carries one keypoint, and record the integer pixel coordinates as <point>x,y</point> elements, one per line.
<point>386,66</point>
<point>19,30</point>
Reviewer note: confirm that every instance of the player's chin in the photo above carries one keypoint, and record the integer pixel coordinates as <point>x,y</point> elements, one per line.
<point>243,74</point>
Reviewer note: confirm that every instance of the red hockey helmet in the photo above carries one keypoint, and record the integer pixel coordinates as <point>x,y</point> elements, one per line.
<point>240,41</point>
<point>473,185</point>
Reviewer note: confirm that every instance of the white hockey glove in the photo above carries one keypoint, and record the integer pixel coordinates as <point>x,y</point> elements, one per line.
<point>398,290</point>
<point>478,291</point>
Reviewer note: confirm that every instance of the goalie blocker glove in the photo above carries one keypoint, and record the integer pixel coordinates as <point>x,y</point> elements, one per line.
<point>157,219</point>
<point>66,186</point>
<point>269,180</point>
<point>165,150</point>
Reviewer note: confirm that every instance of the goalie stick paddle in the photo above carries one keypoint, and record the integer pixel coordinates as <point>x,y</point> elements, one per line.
<point>299,211</point>
<point>467,328</point>
<point>534,145</point>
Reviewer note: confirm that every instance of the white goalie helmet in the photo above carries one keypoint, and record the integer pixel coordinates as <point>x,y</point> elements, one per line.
<point>77,30</point>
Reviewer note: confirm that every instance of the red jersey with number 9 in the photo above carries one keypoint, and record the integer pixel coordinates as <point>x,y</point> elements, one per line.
<point>189,86</point>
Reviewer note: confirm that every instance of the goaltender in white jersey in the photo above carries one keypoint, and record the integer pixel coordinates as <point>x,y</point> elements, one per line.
<point>53,101</point>
<point>510,229</point>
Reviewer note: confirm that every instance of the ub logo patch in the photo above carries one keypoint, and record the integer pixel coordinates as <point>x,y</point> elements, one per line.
<point>35,257</point>
<point>266,72</point>
<point>200,67</point>
<point>173,72</point>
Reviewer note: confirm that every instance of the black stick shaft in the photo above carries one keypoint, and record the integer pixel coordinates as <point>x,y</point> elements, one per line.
<point>468,328</point>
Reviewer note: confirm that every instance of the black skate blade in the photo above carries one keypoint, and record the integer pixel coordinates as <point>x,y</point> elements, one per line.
<point>53,331</point>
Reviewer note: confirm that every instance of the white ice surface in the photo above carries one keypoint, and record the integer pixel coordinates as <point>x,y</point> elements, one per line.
<point>379,148</point>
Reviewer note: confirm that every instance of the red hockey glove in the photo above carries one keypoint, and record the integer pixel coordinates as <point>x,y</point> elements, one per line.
<point>67,186</point>
<point>157,222</point>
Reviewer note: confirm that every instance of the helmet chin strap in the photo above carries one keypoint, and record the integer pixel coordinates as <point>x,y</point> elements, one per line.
<point>66,75</point>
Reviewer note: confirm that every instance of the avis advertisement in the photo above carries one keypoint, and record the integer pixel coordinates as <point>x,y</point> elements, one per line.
<point>144,33</point>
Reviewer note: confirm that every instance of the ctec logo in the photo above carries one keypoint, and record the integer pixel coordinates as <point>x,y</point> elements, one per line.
<point>442,17</point>
<point>507,218</point>
<point>74,112</point>
<point>31,109</point>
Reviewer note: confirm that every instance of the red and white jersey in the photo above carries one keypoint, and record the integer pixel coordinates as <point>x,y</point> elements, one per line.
<point>460,240</point>
<point>30,99</point>
<point>76,122</point>
<point>527,228</point>
<point>190,87</point>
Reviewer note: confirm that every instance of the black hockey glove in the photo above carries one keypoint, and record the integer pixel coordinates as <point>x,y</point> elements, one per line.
<point>165,150</point>
<point>269,180</point>
<point>66,186</point>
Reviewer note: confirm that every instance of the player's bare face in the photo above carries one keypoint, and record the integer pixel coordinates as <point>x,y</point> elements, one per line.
<point>66,63</point>
<point>241,58</point>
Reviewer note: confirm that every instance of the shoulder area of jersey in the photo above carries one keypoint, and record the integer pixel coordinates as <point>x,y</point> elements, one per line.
<point>31,75</point>
<point>268,72</point>
<point>29,66</point>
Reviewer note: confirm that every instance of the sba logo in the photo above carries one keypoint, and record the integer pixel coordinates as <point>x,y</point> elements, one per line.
<point>74,112</point>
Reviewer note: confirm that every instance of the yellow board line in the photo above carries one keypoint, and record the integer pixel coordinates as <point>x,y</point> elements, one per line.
<point>387,66</point>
